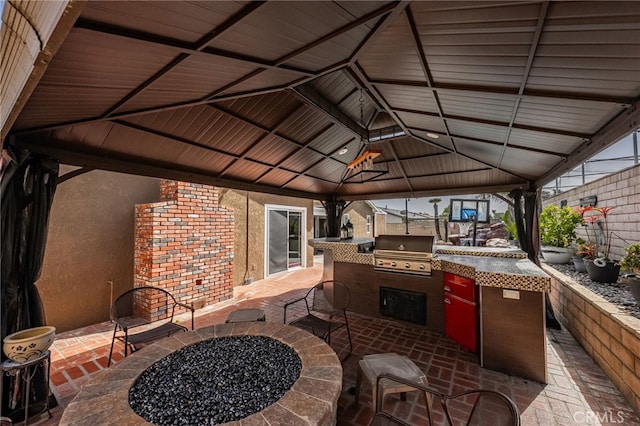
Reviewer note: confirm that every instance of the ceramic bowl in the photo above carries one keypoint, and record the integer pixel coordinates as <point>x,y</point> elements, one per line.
<point>25,345</point>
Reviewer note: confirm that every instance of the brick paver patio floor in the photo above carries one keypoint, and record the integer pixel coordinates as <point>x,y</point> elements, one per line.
<point>578,392</point>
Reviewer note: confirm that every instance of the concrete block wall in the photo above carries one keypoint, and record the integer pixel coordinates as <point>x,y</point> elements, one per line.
<point>609,335</point>
<point>620,190</point>
<point>184,244</point>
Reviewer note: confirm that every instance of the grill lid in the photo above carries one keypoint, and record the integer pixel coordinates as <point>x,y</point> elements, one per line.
<point>405,243</point>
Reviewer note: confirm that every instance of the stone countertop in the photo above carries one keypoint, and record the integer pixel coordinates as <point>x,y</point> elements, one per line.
<point>346,250</point>
<point>315,242</point>
<point>494,267</point>
<point>502,272</point>
<point>510,252</point>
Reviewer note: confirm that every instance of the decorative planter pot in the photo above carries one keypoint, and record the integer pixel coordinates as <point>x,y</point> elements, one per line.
<point>25,345</point>
<point>604,274</point>
<point>633,281</point>
<point>556,255</point>
<point>578,264</point>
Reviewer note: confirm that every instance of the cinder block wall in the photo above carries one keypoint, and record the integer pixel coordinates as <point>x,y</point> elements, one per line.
<point>184,244</point>
<point>620,190</point>
<point>610,336</point>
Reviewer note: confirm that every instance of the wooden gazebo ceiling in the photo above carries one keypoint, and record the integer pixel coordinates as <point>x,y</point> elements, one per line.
<point>460,97</point>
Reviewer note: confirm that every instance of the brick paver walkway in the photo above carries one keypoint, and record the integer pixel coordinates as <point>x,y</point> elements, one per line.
<point>578,392</point>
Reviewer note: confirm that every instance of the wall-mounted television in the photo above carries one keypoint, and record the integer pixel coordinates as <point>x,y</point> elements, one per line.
<point>469,211</point>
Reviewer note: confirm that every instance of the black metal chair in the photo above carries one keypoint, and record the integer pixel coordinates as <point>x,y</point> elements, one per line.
<point>324,311</point>
<point>477,407</point>
<point>133,329</point>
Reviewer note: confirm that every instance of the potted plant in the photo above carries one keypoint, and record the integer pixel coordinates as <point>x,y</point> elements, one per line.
<point>630,263</point>
<point>558,231</point>
<point>578,257</point>
<point>599,266</point>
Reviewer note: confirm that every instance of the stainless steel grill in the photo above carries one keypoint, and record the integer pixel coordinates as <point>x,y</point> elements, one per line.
<point>409,254</point>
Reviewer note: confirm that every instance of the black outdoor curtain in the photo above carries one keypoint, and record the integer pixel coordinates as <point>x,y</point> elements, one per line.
<point>528,236</point>
<point>531,223</point>
<point>526,218</point>
<point>27,184</point>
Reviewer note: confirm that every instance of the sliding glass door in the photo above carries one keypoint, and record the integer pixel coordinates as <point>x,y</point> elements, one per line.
<point>285,245</point>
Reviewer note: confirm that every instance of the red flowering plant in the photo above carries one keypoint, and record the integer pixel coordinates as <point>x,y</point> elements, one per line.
<point>598,244</point>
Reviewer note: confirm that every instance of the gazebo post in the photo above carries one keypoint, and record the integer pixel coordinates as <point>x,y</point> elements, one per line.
<point>334,210</point>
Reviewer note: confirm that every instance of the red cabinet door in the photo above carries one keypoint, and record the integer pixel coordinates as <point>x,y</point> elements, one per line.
<point>462,287</point>
<point>461,323</point>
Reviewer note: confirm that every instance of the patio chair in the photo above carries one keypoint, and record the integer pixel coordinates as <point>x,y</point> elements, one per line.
<point>477,407</point>
<point>324,310</point>
<point>134,330</point>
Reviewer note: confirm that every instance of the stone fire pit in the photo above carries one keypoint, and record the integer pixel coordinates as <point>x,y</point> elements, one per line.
<point>311,400</point>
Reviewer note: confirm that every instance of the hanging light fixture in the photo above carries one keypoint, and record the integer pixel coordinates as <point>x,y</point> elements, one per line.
<point>364,160</point>
<point>362,168</point>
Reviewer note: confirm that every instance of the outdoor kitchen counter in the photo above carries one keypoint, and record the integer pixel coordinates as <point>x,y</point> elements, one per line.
<point>511,304</point>
<point>511,298</point>
<point>493,267</point>
<point>489,267</point>
<point>347,250</point>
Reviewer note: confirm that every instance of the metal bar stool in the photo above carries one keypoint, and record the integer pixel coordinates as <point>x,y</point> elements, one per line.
<point>371,366</point>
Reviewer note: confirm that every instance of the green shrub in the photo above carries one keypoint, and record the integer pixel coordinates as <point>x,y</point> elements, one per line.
<point>558,225</point>
<point>510,225</point>
<point>631,260</point>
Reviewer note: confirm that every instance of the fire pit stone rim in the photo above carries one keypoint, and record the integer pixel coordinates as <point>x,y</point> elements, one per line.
<point>111,387</point>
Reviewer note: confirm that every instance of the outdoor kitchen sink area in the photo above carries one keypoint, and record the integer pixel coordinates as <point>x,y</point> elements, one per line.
<point>510,294</point>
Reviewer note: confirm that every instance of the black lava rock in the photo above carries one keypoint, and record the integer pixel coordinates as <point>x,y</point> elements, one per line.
<point>215,381</point>
<point>616,293</point>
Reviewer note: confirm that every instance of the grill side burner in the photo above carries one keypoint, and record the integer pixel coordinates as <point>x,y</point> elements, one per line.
<point>404,253</point>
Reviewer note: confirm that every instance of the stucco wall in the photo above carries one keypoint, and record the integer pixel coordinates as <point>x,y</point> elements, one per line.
<point>358,211</point>
<point>90,242</point>
<point>249,216</point>
<point>380,224</point>
<point>620,190</point>
<point>416,227</point>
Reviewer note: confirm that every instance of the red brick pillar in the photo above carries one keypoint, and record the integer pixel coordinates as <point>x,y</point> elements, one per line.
<point>184,244</point>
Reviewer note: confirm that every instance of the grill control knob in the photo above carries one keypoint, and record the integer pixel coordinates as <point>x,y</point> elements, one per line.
<point>380,262</point>
<point>393,264</point>
<point>421,266</point>
<point>407,265</point>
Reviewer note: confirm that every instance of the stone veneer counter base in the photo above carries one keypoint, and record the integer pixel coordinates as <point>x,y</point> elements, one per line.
<point>313,399</point>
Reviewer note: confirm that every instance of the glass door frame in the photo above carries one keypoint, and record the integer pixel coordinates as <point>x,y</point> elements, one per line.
<point>302,232</point>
